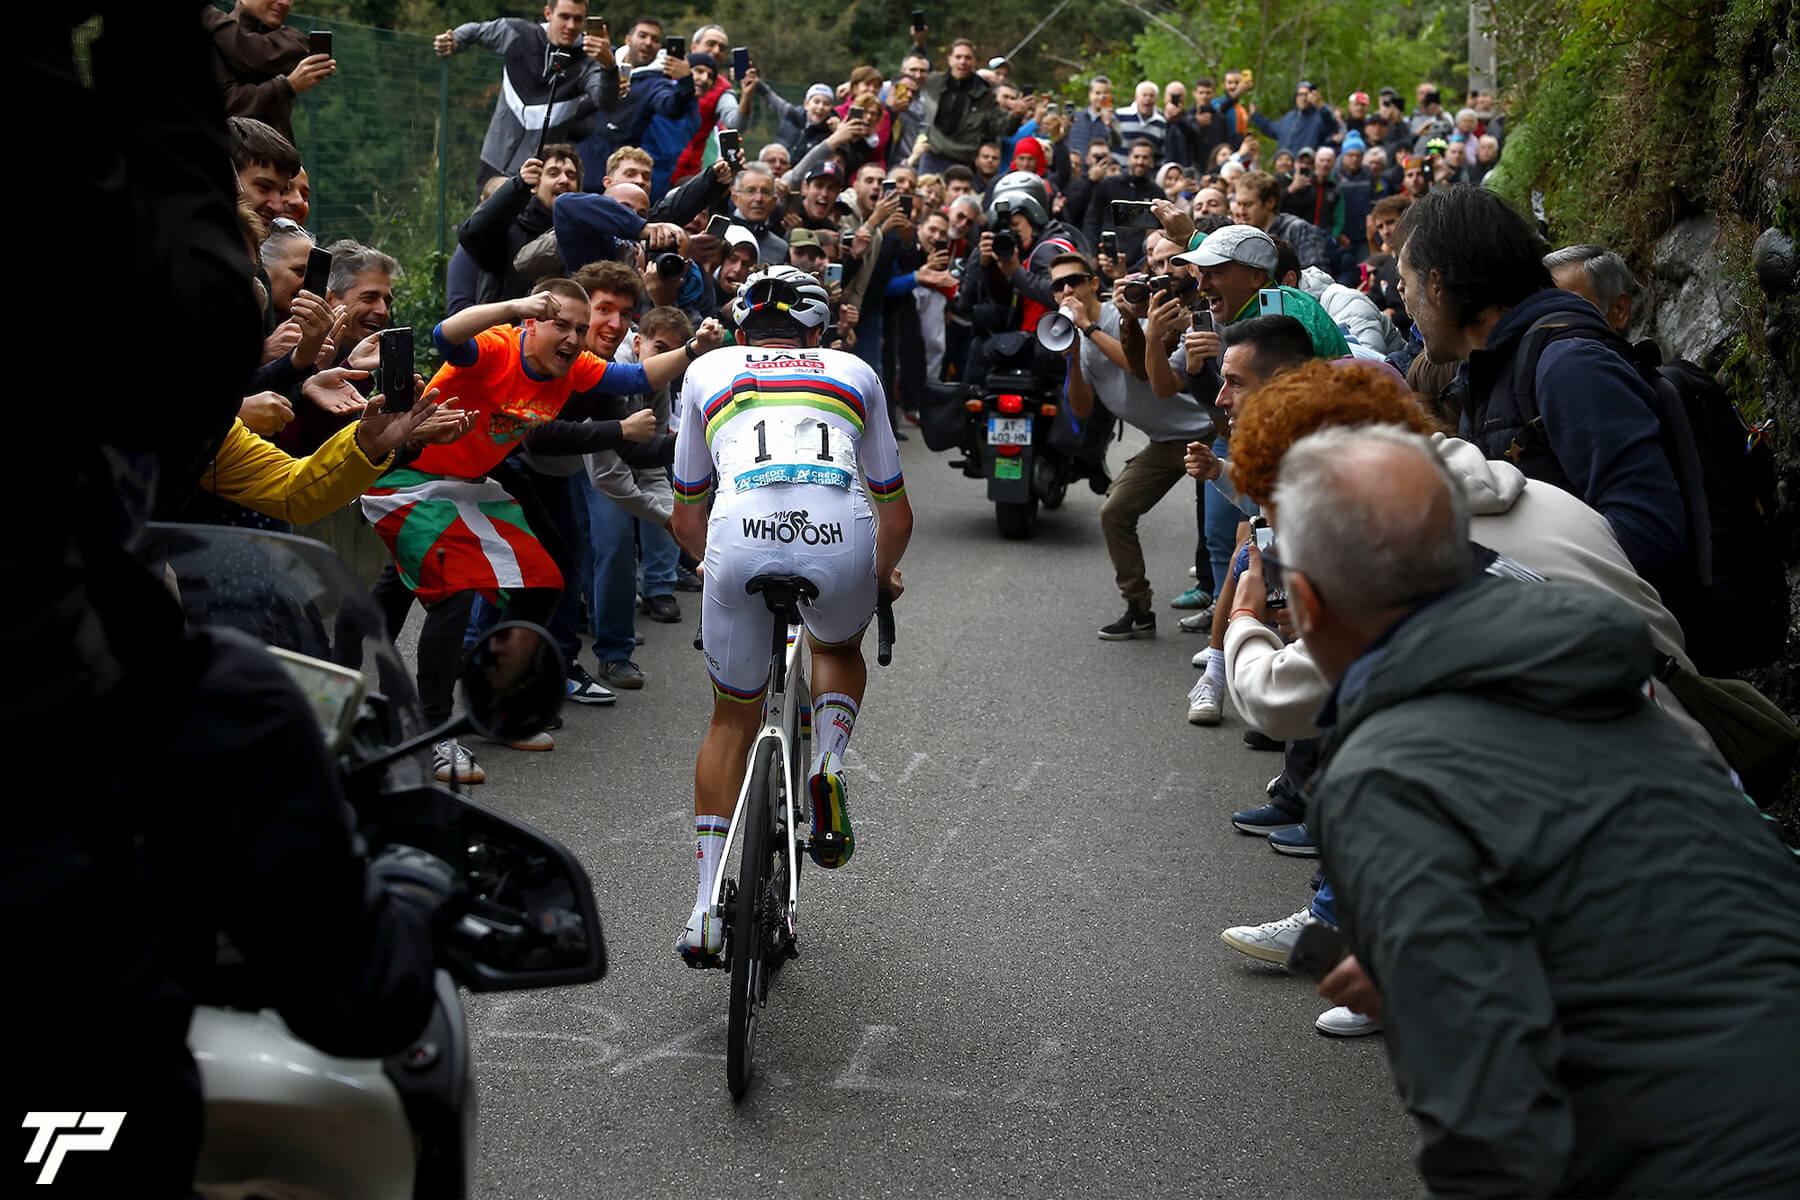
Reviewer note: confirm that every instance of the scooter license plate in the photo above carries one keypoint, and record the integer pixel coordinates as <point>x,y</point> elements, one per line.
<point>1009,431</point>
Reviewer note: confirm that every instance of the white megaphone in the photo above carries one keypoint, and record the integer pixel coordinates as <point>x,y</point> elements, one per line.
<point>1056,331</point>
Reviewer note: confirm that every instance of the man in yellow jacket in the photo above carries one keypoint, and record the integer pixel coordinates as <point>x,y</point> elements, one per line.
<point>250,471</point>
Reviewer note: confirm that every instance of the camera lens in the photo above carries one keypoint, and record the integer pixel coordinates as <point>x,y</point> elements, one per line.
<point>1006,244</point>
<point>671,265</point>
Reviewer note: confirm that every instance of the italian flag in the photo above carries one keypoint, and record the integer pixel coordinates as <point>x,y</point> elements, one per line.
<point>454,535</point>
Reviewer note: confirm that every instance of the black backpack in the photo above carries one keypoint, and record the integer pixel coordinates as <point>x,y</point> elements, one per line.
<point>1737,614</point>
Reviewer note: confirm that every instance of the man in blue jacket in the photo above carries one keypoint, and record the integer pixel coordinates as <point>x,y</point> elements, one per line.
<point>1308,124</point>
<point>661,86</point>
<point>1475,284</point>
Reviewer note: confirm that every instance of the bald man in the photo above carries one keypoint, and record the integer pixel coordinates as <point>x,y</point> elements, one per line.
<point>1532,876</point>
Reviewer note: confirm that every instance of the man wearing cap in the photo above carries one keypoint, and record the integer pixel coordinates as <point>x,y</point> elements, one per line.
<point>1395,133</point>
<point>741,253</point>
<point>1359,190</point>
<point>1234,264</point>
<point>1355,114</point>
<point>1100,365</point>
<point>818,195</point>
<point>1309,123</point>
<point>799,127</point>
<point>805,252</point>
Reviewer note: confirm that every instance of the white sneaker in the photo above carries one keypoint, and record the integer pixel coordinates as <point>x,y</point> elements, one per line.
<point>450,753</point>
<point>703,938</point>
<point>1193,572</point>
<point>537,741</point>
<point>1204,657</point>
<point>1198,622</point>
<point>1270,942</point>
<point>1341,1022</point>
<point>1203,703</point>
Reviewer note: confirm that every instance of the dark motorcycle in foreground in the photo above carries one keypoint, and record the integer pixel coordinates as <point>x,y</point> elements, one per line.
<point>280,1114</point>
<point>1013,428</point>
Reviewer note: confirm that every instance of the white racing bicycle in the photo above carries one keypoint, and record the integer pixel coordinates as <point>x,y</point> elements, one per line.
<point>758,907</point>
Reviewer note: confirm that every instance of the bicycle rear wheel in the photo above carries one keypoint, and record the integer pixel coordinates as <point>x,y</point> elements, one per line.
<point>751,919</point>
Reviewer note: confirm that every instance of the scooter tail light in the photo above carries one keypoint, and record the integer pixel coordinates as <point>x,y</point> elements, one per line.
<point>1010,403</point>
<point>1008,450</point>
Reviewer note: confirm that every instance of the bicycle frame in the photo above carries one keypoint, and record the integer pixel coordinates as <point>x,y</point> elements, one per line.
<point>787,714</point>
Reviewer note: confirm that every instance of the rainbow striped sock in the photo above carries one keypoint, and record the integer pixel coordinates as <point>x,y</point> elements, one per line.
<point>834,716</point>
<point>709,840</point>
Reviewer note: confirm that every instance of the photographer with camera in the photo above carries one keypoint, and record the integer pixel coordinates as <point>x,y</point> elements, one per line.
<point>1006,280</point>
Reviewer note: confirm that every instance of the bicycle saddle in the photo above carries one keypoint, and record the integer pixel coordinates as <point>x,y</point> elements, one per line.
<point>783,593</point>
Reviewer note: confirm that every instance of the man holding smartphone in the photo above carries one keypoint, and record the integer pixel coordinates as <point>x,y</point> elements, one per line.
<point>524,115</point>
<point>262,66</point>
<point>1134,187</point>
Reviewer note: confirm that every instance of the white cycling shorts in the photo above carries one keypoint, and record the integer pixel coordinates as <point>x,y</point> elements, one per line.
<point>825,534</point>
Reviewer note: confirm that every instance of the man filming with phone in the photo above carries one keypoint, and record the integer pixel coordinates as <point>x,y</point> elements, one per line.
<point>1135,190</point>
<point>555,76</point>
<point>263,66</point>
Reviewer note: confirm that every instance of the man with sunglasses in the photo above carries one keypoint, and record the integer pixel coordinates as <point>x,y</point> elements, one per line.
<point>1100,366</point>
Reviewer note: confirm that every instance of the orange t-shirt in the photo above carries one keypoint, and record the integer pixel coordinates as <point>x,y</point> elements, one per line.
<point>507,399</point>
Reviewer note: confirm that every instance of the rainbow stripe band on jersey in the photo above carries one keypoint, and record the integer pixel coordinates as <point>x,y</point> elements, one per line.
<point>808,391</point>
<point>691,493</point>
<point>885,491</point>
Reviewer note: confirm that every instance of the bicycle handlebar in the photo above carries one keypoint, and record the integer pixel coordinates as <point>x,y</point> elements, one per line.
<point>884,628</point>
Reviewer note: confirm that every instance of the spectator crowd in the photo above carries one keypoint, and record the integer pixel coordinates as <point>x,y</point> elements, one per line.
<point>1465,555</point>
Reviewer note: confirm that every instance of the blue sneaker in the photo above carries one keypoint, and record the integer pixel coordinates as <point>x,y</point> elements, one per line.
<point>1268,819</point>
<point>1296,841</point>
<point>832,842</point>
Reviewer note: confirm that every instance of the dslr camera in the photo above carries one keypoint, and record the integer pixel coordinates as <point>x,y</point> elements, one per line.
<point>1006,242</point>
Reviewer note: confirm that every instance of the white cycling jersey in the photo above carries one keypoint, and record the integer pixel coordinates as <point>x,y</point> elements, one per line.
<point>795,443</point>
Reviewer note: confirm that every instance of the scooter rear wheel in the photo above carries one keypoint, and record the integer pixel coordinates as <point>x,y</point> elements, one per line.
<point>1016,521</point>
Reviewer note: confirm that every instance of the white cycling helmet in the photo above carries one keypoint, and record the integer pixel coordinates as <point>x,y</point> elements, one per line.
<point>781,293</point>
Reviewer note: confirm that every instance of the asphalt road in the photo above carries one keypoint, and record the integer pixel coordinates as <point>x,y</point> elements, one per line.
<point>1016,988</point>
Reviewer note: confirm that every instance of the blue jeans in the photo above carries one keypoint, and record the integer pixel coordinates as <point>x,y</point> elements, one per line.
<point>1222,519</point>
<point>659,556</point>
<point>1324,905</point>
<point>609,570</point>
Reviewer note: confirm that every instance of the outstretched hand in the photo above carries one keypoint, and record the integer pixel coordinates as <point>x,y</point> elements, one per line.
<point>379,432</point>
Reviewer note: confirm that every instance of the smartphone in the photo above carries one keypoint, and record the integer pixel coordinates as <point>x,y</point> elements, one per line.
<point>1160,284</point>
<point>906,205</point>
<point>1271,303</point>
<point>888,186</point>
<point>596,26</point>
<point>740,63</point>
<point>718,225</point>
<point>1319,948</point>
<point>730,141</point>
<point>1134,214</point>
<point>394,374</point>
<point>918,18</point>
<point>318,41</point>
<point>1109,244</point>
<point>675,46</point>
<point>1203,320</point>
<point>1249,75</point>
<point>1265,540</point>
<point>942,244</point>
<point>318,271</point>
<point>834,272</point>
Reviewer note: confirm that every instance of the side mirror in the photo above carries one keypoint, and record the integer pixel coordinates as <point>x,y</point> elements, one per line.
<point>530,921</point>
<point>514,682</point>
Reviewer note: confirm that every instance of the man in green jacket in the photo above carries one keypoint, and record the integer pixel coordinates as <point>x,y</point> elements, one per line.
<point>960,112</point>
<point>1581,938</point>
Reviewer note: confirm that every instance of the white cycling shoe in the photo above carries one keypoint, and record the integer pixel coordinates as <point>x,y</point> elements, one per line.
<point>704,937</point>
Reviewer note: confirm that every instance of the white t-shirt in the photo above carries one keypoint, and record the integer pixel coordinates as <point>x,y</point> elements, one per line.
<point>1180,418</point>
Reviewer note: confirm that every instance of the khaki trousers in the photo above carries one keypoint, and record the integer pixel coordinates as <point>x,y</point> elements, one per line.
<point>1147,478</point>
